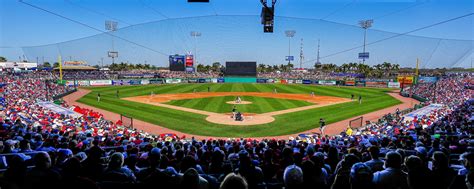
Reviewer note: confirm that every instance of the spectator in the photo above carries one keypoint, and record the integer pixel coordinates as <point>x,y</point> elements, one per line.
<point>392,177</point>
<point>233,181</point>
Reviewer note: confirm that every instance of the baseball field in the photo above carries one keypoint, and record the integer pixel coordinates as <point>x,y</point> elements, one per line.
<point>268,109</point>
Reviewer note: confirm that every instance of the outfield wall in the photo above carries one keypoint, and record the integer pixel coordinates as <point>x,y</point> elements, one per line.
<point>379,83</point>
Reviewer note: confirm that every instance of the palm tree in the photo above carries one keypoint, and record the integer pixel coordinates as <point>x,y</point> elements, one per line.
<point>46,65</point>
<point>3,59</point>
<point>261,68</point>
<point>200,68</point>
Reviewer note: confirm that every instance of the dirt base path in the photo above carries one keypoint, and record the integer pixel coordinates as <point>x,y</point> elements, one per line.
<point>331,129</point>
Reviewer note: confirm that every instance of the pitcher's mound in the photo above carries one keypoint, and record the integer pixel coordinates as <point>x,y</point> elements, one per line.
<point>241,102</point>
<point>248,120</point>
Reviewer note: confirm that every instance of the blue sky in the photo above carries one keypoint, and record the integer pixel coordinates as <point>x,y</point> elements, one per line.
<point>22,25</point>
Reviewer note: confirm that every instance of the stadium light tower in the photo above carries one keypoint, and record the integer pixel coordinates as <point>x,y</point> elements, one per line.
<point>289,34</point>
<point>365,24</point>
<point>112,26</point>
<point>195,34</point>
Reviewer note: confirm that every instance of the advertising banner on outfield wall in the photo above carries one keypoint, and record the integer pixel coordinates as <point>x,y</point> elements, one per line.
<point>83,83</point>
<point>172,81</point>
<point>100,82</point>
<point>291,81</point>
<point>299,81</point>
<point>201,80</point>
<point>145,82</point>
<point>327,82</point>
<point>405,79</point>
<point>220,80</point>
<point>270,81</point>
<point>284,81</point>
<point>349,83</point>
<point>380,84</point>
<point>261,80</point>
<point>276,80</point>
<point>306,81</point>
<point>214,80</point>
<point>135,82</point>
<point>156,81</point>
<point>393,85</point>
<point>192,80</point>
<point>360,83</point>
<point>423,79</point>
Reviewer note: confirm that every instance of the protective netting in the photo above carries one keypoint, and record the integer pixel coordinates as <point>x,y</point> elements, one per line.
<point>241,38</point>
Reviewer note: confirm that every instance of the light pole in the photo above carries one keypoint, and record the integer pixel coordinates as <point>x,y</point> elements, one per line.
<point>289,34</point>
<point>365,24</point>
<point>195,34</point>
<point>111,26</point>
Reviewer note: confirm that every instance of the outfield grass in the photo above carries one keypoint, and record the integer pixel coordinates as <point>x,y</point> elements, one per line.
<point>373,99</point>
<point>259,104</point>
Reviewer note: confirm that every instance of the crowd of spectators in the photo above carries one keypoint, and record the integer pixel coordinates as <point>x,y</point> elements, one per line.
<point>43,149</point>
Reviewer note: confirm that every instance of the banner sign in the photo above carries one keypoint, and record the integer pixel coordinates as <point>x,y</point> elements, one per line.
<point>156,81</point>
<point>192,80</point>
<point>145,82</point>
<point>173,81</point>
<point>83,83</point>
<point>423,79</point>
<point>349,83</point>
<point>135,82</point>
<point>74,63</point>
<point>393,85</point>
<point>327,82</point>
<point>276,81</point>
<point>299,81</point>
<point>290,81</point>
<point>380,84</point>
<point>306,81</point>
<point>270,81</point>
<point>220,80</point>
<point>261,80</point>
<point>405,79</point>
<point>200,80</point>
<point>100,82</point>
<point>360,83</point>
<point>214,80</point>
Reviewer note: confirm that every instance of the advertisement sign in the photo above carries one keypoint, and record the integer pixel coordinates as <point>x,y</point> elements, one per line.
<point>189,61</point>
<point>214,80</point>
<point>135,82</point>
<point>289,58</point>
<point>327,82</point>
<point>306,81</point>
<point>261,80</point>
<point>364,55</point>
<point>276,81</point>
<point>156,81</point>
<point>290,81</point>
<point>83,83</point>
<point>201,80</point>
<point>220,80</point>
<point>380,84</point>
<point>405,79</point>
<point>393,85</point>
<point>423,79</point>
<point>360,83</point>
<point>173,81</point>
<point>192,80</point>
<point>177,62</point>
<point>145,82</point>
<point>349,83</point>
<point>299,81</point>
<point>70,83</point>
<point>100,82</point>
<point>270,81</point>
